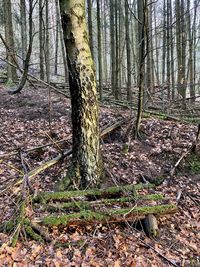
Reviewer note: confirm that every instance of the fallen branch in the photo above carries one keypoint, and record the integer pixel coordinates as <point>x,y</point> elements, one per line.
<point>107,216</point>
<point>185,154</point>
<point>77,205</point>
<point>55,160</point>
<point>33,148</point>
<point>39,169</point>
<point>90,193</point>
<point>157,252</point>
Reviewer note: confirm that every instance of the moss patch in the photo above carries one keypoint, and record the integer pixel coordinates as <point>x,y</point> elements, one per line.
<point>109,192</point>
<point>80,205</point>
<point>194,164</point>
<point>108,215</point>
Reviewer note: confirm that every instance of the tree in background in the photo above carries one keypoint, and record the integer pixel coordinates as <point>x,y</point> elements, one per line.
<point>9,38</point>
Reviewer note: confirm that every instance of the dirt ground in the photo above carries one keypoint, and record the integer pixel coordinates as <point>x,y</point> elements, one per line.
<point>25,123</point>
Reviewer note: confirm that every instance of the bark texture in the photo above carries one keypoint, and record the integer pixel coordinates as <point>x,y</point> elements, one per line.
<point>86,167</point>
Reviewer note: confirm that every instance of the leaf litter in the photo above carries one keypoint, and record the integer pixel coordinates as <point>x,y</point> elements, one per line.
<point>24,124</point>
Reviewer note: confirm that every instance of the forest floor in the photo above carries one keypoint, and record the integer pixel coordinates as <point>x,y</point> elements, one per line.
<point>24,124</point>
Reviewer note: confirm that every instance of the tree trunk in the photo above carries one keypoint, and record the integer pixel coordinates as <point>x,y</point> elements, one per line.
<point>41,39</point>
<point>128,52</point>
<point>29,51</point>
<point>9,36</point>
<point>57,40</point>
<point>142,13</point>
<point>47,61</point>
<point>99,48</point>
<point>62,43</point>
<point>112,43</point>
<point>23,29</point>
<point>90,26</point>
<point>86,163</point>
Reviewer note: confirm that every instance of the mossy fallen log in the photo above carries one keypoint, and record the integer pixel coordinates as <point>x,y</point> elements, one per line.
<point>107,216</point>
<point>89,205</point>
<point>90,193</point>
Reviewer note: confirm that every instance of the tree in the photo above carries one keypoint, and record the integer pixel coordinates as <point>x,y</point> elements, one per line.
<point>9,37</point>
<point>86,168</point>
<point>23,29</point>
<point>128,51</point>
<point>41,39</point>
<point>181,48</point>
<point>99,48</point>
<point>29,51</point>
<point>142,31</point>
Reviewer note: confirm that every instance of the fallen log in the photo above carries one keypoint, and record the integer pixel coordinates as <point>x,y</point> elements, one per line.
<point>77,205</point>
<point>112,191</point>
<point>108,216</point>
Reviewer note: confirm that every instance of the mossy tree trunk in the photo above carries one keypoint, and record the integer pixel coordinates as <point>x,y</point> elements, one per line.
<point>86,163</point>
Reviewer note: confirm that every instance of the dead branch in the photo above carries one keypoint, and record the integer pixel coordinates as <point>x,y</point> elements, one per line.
<point>7,155</point>
<point>185,154</point>
<point>55,160</point>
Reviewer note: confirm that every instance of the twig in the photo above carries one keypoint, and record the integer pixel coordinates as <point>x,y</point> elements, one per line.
<point>54,143</point>
<point>26,182</point>
<point>191,149</point>
<point>34,148</point>
<point>172,172</point>
<point>157,252</point>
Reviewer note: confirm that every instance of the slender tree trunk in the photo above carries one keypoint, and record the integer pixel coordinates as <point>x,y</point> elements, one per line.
<point>57,39</point>
<point>164,43</point>
<point>181,49</point>
<point>47,61</point>
<point>117,89</point>
<point>29,51</point>
<point>190,60</point>
<point>41,39</point>
<point>9,37</point>
<point>113,52</point>
<point>157,48</point>
<point>128,51</point>
<point>142,10</point>
<point>62,43</point>
<point>172,52</point>
<point>105,63</point>
<point>86,168</point>
<point>23,29</point>
<point>90,26</point>
<point>99,48</point>
<point>168,50</point>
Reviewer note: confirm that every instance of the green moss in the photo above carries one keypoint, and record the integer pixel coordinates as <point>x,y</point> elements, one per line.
<point>65,219</point>
<point>86,205</point>
<point>33,234</point>
<point>74,205</point>
<point>159,209</point>
<point>63,245</point>
<point>46,196</point>
<point>107,215</point>
<point>9,225</point>
<point>125,148</point>
<point>14,238</point>
<point>194,164</point>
